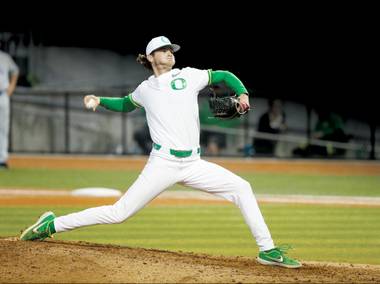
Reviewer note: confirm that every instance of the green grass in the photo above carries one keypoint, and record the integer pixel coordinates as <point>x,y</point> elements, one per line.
<point>319,233</point>
<point>262,183</point>
<point>66,179</point>
<point>314,184</point>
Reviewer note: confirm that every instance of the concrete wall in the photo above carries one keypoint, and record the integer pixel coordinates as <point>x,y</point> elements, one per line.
<point>69,68</point>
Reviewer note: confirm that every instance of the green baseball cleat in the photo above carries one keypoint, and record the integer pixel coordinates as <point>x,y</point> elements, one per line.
<point>42,229</point>
<point>277,257</point>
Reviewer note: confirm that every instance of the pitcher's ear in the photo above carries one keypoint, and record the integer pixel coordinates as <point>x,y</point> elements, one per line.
<point>150,58</point>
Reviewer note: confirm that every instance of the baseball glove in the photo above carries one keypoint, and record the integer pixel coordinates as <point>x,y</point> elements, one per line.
<point>225,107</point>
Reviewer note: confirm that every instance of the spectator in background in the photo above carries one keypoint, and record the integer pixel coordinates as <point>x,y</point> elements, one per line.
<point>329,127</point>
<point>272,121</point>
<point>9,72</point>
<point>142,138</point>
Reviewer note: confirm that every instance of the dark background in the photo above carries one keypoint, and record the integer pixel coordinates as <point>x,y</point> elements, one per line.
<point>318,54</point>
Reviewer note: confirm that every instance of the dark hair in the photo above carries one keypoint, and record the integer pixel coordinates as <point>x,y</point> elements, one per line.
<point>141,58</point>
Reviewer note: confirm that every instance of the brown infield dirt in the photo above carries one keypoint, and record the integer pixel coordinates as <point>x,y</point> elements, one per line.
<point>320,167</point>
<point>79,262</point>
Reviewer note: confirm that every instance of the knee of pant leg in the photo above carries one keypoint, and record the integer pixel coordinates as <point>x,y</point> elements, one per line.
<point>121,213</point>
<point>243,187</point>
<point>121,217</point>
<point>118,215</point>
<point>242,190</point>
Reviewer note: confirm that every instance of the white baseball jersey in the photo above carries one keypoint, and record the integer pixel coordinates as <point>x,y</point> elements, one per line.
<point>171,104</point>
<point>7,66</point>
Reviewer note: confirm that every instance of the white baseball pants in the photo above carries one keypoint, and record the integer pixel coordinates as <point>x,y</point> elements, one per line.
<point>159,174</point>
<point>4,126</point>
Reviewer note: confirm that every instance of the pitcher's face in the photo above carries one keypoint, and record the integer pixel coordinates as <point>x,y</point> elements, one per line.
<point>163,56</point>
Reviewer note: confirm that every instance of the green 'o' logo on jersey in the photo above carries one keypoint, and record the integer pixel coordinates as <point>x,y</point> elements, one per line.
<point>178,84</point>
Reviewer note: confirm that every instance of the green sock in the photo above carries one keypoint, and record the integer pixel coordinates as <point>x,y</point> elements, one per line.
<point>51,227</point>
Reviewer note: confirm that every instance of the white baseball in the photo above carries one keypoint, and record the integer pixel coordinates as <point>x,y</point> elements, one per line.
<point>91,103</point>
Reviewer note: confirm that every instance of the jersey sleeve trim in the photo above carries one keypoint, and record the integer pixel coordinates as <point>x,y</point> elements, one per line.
<point>209,76</point>
<point>134,102</point>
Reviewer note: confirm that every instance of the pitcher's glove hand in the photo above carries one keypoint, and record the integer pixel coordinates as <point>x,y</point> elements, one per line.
<point>226,107</point>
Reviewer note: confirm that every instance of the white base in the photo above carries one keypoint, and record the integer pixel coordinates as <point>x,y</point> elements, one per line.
<point>96,192</point>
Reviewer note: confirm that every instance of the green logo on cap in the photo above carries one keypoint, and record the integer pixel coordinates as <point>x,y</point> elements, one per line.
<point>178,84</point>
<point>165,39</point>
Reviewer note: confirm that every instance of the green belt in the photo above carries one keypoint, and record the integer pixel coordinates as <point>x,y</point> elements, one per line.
<point>178,153</point>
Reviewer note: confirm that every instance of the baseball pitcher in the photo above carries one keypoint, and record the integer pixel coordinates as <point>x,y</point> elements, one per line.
<point>169,98</point>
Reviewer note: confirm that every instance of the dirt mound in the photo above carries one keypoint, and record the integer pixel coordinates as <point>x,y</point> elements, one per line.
<point>78,262</point>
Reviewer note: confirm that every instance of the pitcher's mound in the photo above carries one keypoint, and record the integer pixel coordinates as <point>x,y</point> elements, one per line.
<point>79,262</point>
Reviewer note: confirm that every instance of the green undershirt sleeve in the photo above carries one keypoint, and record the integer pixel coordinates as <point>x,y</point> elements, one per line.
<point>229,79</point>
<point>125,104</point>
